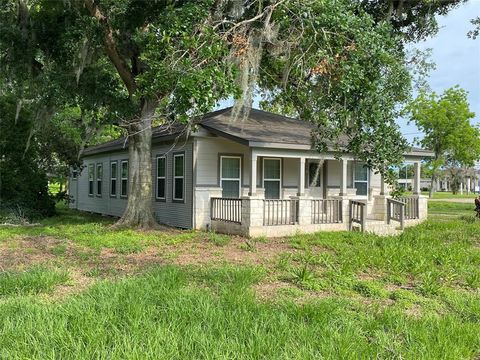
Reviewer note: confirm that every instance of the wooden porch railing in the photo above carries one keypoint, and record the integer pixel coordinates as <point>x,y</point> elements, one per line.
<point>280,212</point>
<point>396,212</point>
<point>412,209</point>
<point>327,211</point>
<point>357,213</point>
<point>226,209</point>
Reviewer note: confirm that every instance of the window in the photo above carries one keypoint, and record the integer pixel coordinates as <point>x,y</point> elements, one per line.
<point>178,176</point>
<point>161,177</point>
<point>360,178</point>
<point>230,176</point>
<point>113,178</point>
<point>314,174</point>
<point>272,168</point>
<point>124,179</point>
<point>91,177</point>
<point>74,174</point>
<point>99,179</point>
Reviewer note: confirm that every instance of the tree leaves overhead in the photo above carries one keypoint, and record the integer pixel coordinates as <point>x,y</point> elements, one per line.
<point>337,63</point>
<point>413,20</point>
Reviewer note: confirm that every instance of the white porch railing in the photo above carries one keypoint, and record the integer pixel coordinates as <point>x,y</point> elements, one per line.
<point>412,210</point>
<point>280,212</point>
<point>357,211</point>
<point>225,209</point>
<point>327,211</point>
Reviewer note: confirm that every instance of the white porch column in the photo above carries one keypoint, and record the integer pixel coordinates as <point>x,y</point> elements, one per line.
<point>383,188</point>
<point>468,185</point>
<point>343,177</point>
<point>301,177</point>
<point>461,188</point>
<point>253,174</point>
<point>416,178</point>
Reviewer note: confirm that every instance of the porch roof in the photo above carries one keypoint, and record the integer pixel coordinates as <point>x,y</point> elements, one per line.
<point>257,128</point>
<point>268,130</point>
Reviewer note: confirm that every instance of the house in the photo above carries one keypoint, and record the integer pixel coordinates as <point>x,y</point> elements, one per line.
<point>254,176</point>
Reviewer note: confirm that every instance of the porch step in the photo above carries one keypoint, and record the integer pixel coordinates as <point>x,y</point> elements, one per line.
<point>380,227</point>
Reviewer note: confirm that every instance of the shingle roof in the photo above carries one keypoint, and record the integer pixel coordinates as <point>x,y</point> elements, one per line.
<point>257,127</point>
<point>260,126</point>
<point>159,133</point>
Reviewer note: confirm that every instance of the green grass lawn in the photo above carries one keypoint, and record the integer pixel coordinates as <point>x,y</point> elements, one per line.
<point>450,195</point>
<point>72,287</point>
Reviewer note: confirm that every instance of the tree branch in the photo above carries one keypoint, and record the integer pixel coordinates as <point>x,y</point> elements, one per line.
<point>111,48</point>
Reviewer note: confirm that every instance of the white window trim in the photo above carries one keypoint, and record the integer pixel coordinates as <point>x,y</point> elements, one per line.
<point>268,179</point>
<point>114,177</point>
<point>361,181</point>
<point>164,177</point>
<point>91,179</point>
<point>178,177</point>
<point>99,166</point>
<point>239,179</point>
<point>123,178</point>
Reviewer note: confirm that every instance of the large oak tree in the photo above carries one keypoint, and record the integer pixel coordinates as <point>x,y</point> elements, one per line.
<point>333,62</point>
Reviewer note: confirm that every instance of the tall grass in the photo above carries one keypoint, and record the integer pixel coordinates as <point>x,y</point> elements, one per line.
<point>163,316</point>
<point>32,281</point>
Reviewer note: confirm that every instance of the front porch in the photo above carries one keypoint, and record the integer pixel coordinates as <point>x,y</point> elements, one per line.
<point>272,218</point>
<point>279,192</point>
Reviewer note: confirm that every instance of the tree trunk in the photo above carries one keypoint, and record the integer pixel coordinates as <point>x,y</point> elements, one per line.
<point>432,184</point>
<point>139,210</point>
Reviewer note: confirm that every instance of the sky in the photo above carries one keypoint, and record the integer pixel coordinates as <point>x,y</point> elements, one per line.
<point>457,59</point>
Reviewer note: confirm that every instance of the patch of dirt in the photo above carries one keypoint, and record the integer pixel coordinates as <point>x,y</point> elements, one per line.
<point>78,283</point>
<point>414,311</point>
<point>27,251</point>
<point>369,276</point>
<point>269,290</point>
<point>393,287</point>
<point>236,252</point>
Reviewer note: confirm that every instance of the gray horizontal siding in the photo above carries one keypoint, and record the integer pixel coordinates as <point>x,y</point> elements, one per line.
<point>169,212</point>
<point>166,212</point>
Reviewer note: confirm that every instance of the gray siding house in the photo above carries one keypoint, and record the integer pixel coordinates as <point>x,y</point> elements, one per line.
<point>254,176</point>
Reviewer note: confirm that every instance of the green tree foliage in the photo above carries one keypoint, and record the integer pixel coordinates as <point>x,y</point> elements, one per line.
<point>337,63</point>
<point>445,121</point>
<point>473,34</point>
<point>413,20</point>
<point>23,183</point>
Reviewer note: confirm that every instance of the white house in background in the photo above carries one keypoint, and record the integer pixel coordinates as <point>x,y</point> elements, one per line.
<point>254,176</point>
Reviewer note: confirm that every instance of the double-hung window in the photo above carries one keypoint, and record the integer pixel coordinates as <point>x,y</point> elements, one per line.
<point>178,176</point>
<point>360,178</point>
<point>124,178</point>
<point>272,169</point>
<point>314,174</point>
<point>91,177</point>
<point>99,179</point>
<point>113,178</point>
<point>230,176</point>
<point>161,179</point>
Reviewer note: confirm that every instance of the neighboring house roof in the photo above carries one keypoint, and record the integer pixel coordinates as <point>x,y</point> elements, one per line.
<point>257,129</point>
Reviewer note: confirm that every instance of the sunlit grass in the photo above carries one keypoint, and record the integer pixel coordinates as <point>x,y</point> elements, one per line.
<point>339,295</point>
<point>32,281</point>
<point>94,231</point>
<point>161,315</point>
